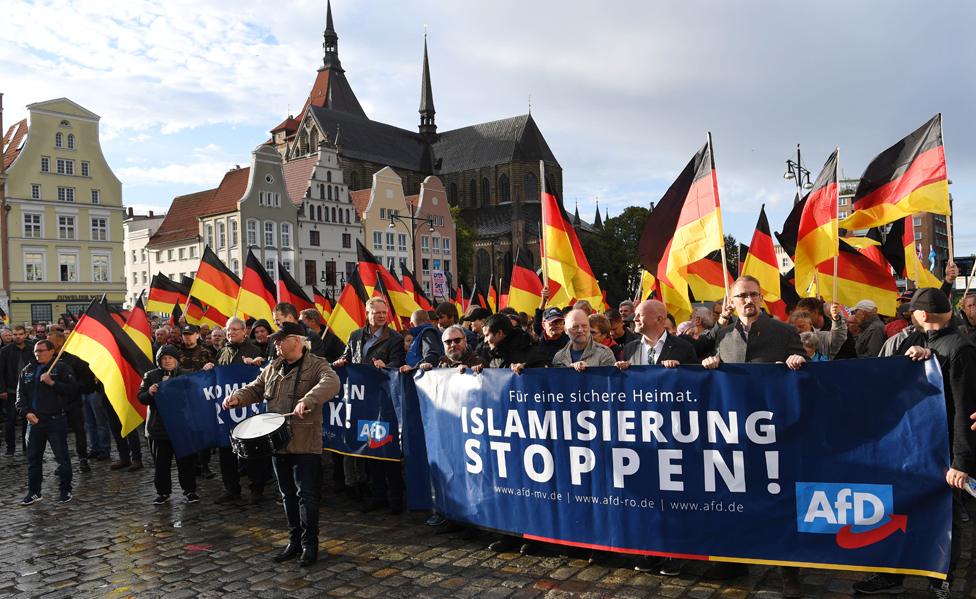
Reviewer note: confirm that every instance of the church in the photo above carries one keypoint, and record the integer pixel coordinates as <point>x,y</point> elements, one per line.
<point>489,170</point>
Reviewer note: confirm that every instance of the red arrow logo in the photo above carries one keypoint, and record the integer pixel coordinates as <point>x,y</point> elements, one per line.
<point>374,443</point>
<point>848,539</point>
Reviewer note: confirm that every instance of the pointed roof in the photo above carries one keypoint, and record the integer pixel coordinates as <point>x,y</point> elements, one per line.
<point>360,200</point>
<point>598,220</point>
<point>330,41</point>
<point>427,98</point>
<point>229,192</point>
<point>13,141</point>
<point>289,125</point>
<point>372,141</point>
<point>331,89</point>
<point>576,218</point>
<point>515,139</point>
<point>298,173</point>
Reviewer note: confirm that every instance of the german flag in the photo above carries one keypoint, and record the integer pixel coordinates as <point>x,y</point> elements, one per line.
<point>817,236</point>
<point>137,327</point>
<point>707,279</point>
<point>393,319</point>
<point>413,287</point>
<point>686,225</point>
<point>349,313</point>
<point>371,269</point>
<point>117,313</point>
<point>492,296</point>
<point>165,293</point>
<point>289,291</point>
<point>525,287</point>
<point>115,360</point>
<point>194,311</point>
<point>899,250</point>
<point>761,263</point>
<point>859,278</point>
<point>257,296</point>
<point>174,318</point>
<point>868,247</point>
<point>214,318</point>
<point>563,255</point>
<point>907,178</point>
<point>648,285</point>
<point>215,284</point>
<point>323,303</point>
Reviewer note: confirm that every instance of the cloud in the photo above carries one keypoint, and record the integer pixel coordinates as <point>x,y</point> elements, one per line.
<point>203,174</point>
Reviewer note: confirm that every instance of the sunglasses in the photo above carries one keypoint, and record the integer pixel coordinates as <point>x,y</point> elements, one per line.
<point>453,340</point>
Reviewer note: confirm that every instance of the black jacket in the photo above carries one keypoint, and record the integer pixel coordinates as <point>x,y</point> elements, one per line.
<point>675,348</point>
<point>957,357</point>
<point>155,428</point>
<point>235,354</point>
<point>12,362</point>
<point>326,345</point>
<point>550,347</point>
<point>50,400</point>
<point>84,377</point>
<point>389,348</point>
<point>516,348</point>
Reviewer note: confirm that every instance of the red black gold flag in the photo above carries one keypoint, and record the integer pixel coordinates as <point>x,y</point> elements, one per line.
<point>323,303</point>
<point>371,269</point>
<point>412,286</point>
<point>289,291</point>
<point>194,311</point>
<point>257,296</point>
<point>215,284</point>
<point>817,236</point>
<point>562,254</point>
<point>138,328</point>
<point>525,287</point>
<point>349,312</point>
<point>761,263</point>
<point>165,293</point>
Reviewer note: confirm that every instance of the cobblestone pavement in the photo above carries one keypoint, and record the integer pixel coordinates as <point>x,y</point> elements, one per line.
<point>111,542</point>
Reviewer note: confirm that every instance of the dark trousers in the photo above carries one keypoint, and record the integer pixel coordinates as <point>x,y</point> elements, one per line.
<point>162,453</point>
<point>338,472</point>
<point>299,480</point>
<point>53,432</point>
<point>385,480</point>
<point>258,470</point>
<point>129,447</point>
<point>955,545</point>
<point>76,422</point>
<point>10,424</point>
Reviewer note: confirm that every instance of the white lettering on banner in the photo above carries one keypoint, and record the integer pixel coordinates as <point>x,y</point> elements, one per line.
<point>236,414</point>
<point>820,507</point>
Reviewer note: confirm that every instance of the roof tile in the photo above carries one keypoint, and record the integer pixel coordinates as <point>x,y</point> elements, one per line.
<point>180,223</point>
<point>297,175</point>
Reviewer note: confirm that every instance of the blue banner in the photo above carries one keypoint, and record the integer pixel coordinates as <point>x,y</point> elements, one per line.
<point>840,464</point>
<point>191,407</point>
<point>362,419</point>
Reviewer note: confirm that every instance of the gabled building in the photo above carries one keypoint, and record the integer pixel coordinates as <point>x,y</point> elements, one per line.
<point>137,229</point>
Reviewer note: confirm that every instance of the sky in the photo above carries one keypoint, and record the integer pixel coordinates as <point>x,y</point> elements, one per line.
<point>624,91</point>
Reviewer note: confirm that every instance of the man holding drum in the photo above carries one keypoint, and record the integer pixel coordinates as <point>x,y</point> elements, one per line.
<point>297,382</point>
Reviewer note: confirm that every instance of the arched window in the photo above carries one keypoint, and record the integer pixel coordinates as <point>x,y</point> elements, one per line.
<point>333,214</point>
<point>71,141</point>
<point>286,235</point>
<point>319,210</point>
<point>452,194</point>
<point>328,176</point>
<point>472,194</point>
<point>551,184</point>
<point>329,192</point>
<point>503,193</point>
<point>354,181</point>
<point>482,268</point>
<point>531,187</point>
<point>347,216</point>
<point>485,191</point>
<point>252,232</point>
<point>314,143</point>
<point>58,140</point>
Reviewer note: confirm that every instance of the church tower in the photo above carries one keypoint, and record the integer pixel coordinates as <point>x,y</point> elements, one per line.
<point>428,128</point>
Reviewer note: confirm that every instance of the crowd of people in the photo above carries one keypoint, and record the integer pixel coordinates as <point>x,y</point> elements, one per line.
<point>299,357</point>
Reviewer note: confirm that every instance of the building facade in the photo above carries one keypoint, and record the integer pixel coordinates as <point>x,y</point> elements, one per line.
<point>136,231</point>
<point>64,222</point>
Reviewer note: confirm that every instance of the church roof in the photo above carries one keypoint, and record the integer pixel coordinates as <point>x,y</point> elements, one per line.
<point>180,223</point>
<point>515,139</point>
<point>298,172</point>
<point>290,124</point>
<point>372,141</point>
<point>332,90</point>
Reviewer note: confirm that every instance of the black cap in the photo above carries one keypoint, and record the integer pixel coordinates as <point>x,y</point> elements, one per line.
<point>167,350</point>
<point>553,314</point>
<point>287,329</point>
<point>190,328</point>
<point>477,314</point>
<point>932,300</point>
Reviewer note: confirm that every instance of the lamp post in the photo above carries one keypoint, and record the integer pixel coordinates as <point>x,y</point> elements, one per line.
<point>796,172</point>
<point>412,223</point>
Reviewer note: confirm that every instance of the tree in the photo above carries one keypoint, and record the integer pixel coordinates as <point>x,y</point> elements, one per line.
<point>464,246</point>
<point>612,253</point>
<point>732,255</point>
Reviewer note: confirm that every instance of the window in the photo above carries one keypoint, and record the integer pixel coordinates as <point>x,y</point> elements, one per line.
<point>66,194</point>
<point>182,253</point>
<point>233,232</point>
<point>145,278</point>
<point>322,192</point>
<point>324,218</point>
<point>502,192</point>
<point>159,256</point>
<point>71,141</point>
<point>347,215</point>
<point>472,194</point>
<point>842,214</point>
<point>402,242</point>
<point>391,263</point>
<point>382,213</point>
<point>425,265</point>
<point>235,265</point>
<point>99,228</point>
<point>59,140</point>
<point>100,268</point>
<point>260,198</point>
<point>313,238</point>
<point>169,255</point>
<point>85,169</point>
<point>286,264</point>
<point>32,225</point>
<point>918,235</point>
<point>424,243</point>
<point>269,267</point>
<point>42,313</point>
<point>333,214</point>
<point>35,191</point>
<point>446,243</point>
<point>66,167</point>
<point>142,255</point>
<point>221,234</point>
<point>96,196</point>
<point>68,268</point>
<point>346,240</point>
<point>378,240</point>
<point>917,221</point>
<point>133,256</point>
<point>193,251</point>
<point>447,266</point>
<point>209,234</point>
<point>310,272</point>
<point>328,176</point>
<point>330,272</point>
<point>45,164</point>
<point>269,234</point>
<point>531,186</point>
<point>252,232</point>
<point>351,268</point>
<point>66,227</point>
<point>389,242</point>
<point>33,266</point>
<point>452,194</point>
<point>286,235</point>
<point>437,245</point>
<point>328,194</point>
<point>485,191</point>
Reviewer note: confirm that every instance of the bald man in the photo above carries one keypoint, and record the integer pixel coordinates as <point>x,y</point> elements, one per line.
<point>655,345</point>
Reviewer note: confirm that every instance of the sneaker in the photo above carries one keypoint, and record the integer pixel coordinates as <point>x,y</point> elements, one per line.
<point>136,465</point>
<point>65,497</point>
<point>192,497</point>
<point>160,499</point>
<point>83,465</point>
<point>435,520</point>
<point>648,563</point>
<point>504,545</point>
<point>879,583</point>
<point>940,591</point>
<point>120,464</point>
<point>671,567</point>
<point>31,498</point>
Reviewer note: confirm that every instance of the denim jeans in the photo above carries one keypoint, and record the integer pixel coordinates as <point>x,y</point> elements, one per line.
<point>300,480</point>
<point>97,424</point>
<point>53,432</point>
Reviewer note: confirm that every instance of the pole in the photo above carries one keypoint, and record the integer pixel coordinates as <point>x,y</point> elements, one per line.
<point>969,281</point>
<point>836,225</point>
<point>718,208</point>
<point>949,214</point>
<point>542,223</point>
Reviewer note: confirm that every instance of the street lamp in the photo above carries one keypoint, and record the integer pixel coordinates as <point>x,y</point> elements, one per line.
<point>796,172</point>
<point>413,224</point>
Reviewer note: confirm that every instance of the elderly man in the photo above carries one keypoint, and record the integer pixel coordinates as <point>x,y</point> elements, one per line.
<point>656,345</point>
<point>582,350</point>
<point>871,337</point>
<point>699,334</point>
<point>296,382</point>
<point>217,339</point>
<point>751,335</point>
<point>967,314</point>
<point>553,332</point>
<point>160,338</point>
<point>626,309</point>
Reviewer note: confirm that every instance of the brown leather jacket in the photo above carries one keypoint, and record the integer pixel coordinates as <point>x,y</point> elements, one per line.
<point>317,383</point>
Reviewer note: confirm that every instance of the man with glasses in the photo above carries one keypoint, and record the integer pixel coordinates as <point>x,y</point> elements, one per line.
<point>581,351</point>
<point>747,334</point>
<point>43,393</point>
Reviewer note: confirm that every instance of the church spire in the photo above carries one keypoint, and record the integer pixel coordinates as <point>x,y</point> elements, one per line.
<point>598,220</point>
<point>330,44</point>
<point>428,127</point>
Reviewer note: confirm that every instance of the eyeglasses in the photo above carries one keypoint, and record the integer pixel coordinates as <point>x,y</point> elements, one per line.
<point>453,340</point>
<point>747,295</point>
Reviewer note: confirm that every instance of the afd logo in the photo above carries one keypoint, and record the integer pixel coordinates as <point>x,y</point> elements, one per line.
<point>376,432</point>
<point>858,514</point>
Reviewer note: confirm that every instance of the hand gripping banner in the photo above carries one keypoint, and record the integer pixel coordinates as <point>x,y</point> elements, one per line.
<point>362,419</point>
<point>838,465</point>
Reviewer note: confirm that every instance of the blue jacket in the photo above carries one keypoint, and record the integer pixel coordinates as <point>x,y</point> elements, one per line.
<point>43,400</point>
<point>426,346</point>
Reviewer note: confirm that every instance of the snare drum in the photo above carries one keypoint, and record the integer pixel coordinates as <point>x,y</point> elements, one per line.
<point>260,436</point>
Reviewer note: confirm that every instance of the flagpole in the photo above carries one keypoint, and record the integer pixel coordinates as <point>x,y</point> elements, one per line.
<point>969,282</point>
<point>836,225</point>
<point>542,222</point>
<point>949,214</point>
<point>721,232</point>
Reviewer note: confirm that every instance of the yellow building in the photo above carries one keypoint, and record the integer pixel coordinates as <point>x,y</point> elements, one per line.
<point>64,225</point>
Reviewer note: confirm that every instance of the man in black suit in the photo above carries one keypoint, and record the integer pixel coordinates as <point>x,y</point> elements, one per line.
<point>655,345</point>
<point>381,346</point>
<point>751,335</point>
